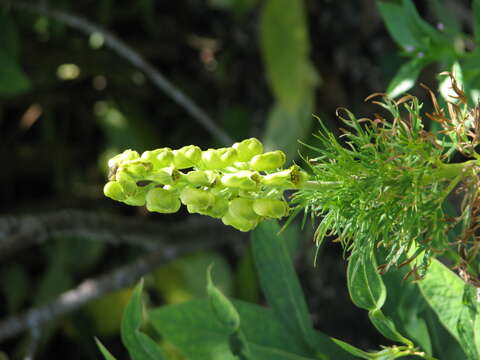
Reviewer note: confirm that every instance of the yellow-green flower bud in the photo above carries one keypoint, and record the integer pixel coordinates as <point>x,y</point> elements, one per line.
<point>164,176</point>
<point>186,156</point>
<point>159,158</point>
<point>238,222</point>
<point>269,161</point>
<point>200,199</point>
<point>114,191</point>
<point>292,177</point>
<point>137,168</point>
<point>119,159</point>
<point>137,200</point>
<point>242,208</point>
<point>243,179</point>
<point>248,148</point>
<point>201,177</point>
<point>127,182</point>
<point>163,200</point>
<point>270,208</point>
<point>218,158</point>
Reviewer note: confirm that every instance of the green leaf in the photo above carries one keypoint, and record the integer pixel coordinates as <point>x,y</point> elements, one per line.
<point>282,289</point>
<point>15,287</point>
<point>386,327</point>
<point>106,354</point>
<point>278,279</point>
<point>365,285</point>
<point>13,80</point>
<point>407,28</point>
<point>405,77</point>
<point>298,123</point>
<point>452,301</point>
<point>285,49</point>
<point>189,326</point>
<point>139,345</point>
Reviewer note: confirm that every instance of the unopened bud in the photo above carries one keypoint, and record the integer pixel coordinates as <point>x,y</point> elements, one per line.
<point>200,199</point>
<point>201,177</point>
<point>138,199</point>
<point>269,161</point>
<point>114,191</point>
<point>242,208</point>
<point>186,156</point>
<point>270,208</point>
<point>127,182</point>
<point>119,159</point>
<point>244,179</point>
<point>164,176</point>
<point>218,158</point>
<point>239,223</point>
<point>163,200</point>
<point>159,158</point>
<point>248,148</point>
<point>292,177</point>
<point>137,168</point>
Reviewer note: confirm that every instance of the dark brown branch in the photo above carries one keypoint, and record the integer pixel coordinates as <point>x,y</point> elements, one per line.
<point>128,53</point>
<point>92,289</point>
<point>20,232</point>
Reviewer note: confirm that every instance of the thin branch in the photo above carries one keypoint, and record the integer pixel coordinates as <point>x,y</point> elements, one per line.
<point>128,53</point>
<point>92,289</point>
<point>20,232</point>
<point>35,335</point>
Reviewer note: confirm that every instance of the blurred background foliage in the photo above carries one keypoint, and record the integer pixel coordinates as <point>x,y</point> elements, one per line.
<point>259,68</point>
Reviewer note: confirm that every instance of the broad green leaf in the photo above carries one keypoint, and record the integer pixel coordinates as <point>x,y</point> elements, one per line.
<point>189,326</point>
<point>106,354</point>
<point>282,289</point>
<point>352,349</point>
<point>298,122</point>
<point>365,285</point>
<point>406,77</point>
<point>401,27</point>
<point>139,345</point>
<point>447,294</point>
<point>16,285</point>
<point>278,279</point>
<point>285,49</point>
<point>407,28</point>
<point>13,81</point>
<point>247,287</point>
<point>444,16</point>
<point>386,327</point>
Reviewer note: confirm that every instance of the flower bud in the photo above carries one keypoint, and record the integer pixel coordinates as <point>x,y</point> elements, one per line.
<point>242,208</point>
<point>270,208</point>
<point>292,177</point>
<point>114,191</point>
<point>126,181</point>
<point>244,179</point>
<point>238,222</point>
<point>248,148</point>
<point>219,158</point>
<point>201,177</point>
<point>119,159</point>
<point>186,156</point>
<point>138,199</point>
<point>163,200</point>
<point>137,168</point>
<point>159,158</point>
<point>200,199</point>
<point>269,161</point>
<point>164,176</point>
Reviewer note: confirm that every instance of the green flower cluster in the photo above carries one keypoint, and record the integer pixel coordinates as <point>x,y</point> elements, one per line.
<point>241,184</point>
